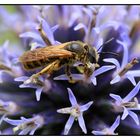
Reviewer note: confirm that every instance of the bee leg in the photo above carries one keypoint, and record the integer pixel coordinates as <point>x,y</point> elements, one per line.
<point>88,70</point>
<point>49,69</point>
<point>68,73</point>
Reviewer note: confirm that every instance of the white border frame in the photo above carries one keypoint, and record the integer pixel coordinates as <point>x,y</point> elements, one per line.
<point>69,2</point>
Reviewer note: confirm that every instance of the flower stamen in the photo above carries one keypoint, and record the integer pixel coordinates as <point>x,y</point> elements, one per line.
<point>43,35</point>
<point>128,67</point>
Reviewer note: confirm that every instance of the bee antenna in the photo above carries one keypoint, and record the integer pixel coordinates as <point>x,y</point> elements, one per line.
<point>108,41</point>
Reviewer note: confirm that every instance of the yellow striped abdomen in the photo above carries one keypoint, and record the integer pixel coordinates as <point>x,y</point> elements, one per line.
<point>30,65</point>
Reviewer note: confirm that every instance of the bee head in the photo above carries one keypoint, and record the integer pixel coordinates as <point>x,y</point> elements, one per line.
<point>92,53</point>
<point>80,48</point>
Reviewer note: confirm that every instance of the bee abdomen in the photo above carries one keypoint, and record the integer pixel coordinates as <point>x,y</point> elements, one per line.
<point>34,64</point>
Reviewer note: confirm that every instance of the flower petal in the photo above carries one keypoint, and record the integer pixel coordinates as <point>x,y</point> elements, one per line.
<point>116,97</point>
<point>13,122</point>
<point>132,94</point>
<point>131,78</point>
<point>79,26</point>
<point>114,61</point>
<point>54,28</point>
<point>36,45</point>
<point>4,53</point>
<point>88,12</point>
<point>1,80</point>
<point>86,106</point>
<point>72,97</point>
<point>33,130</point>
<point>102,70</point>
<point>115,80</point>
<point>25,131</point>
<point>15,60</point>
<point>23,119</point>
<point>74,17</point>
<point>125,54</point>
<point>115,124</point>
<point>98,133</point>
<point>99,43</point>
<point>31,35</point>
<point>134,73</point>
<point>68,125</point>
<point>2,118</point>
<point>134,117</point>
<point>24,86</point>
<point>94,80</point>
<point>65,77</point>
<point>109,24</point>
<point>125,113</point>
<point>96,30</point>
<point>38,93</point>
<point>22,78</point>
<point>82,123</point>
<point>66,110</point>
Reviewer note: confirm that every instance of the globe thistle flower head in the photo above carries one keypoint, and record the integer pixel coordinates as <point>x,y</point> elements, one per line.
<point>42,61</point>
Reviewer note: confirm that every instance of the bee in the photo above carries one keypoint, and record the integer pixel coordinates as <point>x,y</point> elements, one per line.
<point>52,58</point>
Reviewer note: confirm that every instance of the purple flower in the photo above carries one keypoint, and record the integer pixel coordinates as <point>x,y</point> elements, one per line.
<point>76,15</point>
<point>68,15</point>
<point>133,14</point>
<point>38,84</point>
<point>129,74</point>
<point>109,130</point>
<point>7,18</point>
<point>43,26</point>
<point>90,37</point>
<point>125,105</point>
<point>6,63</point>
<point>42,9</point>
<point>26,125</point>
<point>91,79</point>
<point>38,41</point>
<point>76,113</point>
<point>7,108</point>
<point>93,34</point>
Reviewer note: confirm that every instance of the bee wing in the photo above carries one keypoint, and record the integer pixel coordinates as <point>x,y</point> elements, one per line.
<point>45,54</point>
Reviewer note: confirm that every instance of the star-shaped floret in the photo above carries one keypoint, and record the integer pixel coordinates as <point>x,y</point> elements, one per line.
<point>90,79</point>
<point>7,108</point>
<point>26,126</point>
<point>39,84</point>
<point>126,104</point>
<point>109,130</point>
<point>76,113</point>
<point>123,71</point>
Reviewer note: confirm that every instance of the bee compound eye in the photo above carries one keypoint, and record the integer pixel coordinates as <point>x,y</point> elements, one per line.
<point>75,48</point>
<point>86,47</point>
